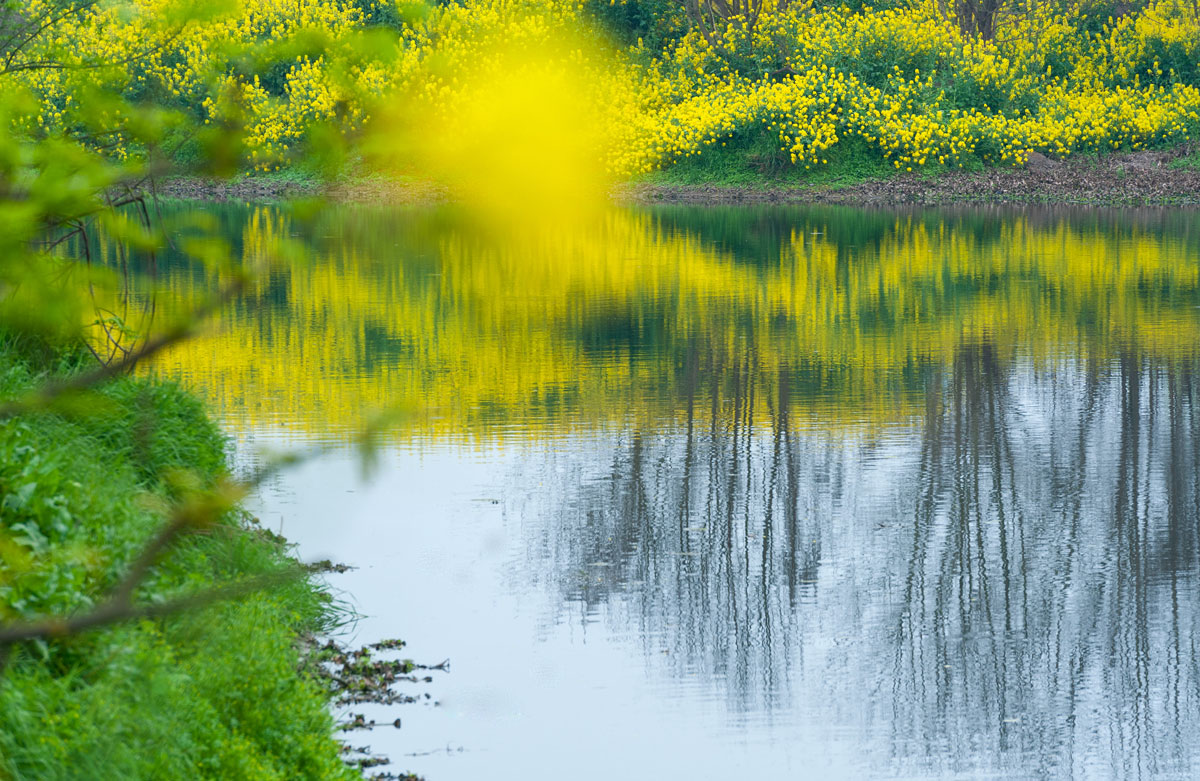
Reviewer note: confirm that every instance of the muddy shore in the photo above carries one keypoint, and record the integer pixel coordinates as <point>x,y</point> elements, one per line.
<point>1131,179</point>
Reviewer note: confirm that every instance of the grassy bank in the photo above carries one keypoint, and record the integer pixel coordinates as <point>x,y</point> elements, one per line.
<point>217,692</point>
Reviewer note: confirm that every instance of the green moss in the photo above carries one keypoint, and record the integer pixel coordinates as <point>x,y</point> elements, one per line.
<point>215,693</point>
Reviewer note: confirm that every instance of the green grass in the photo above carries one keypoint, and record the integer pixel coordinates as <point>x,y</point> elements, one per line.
<point>758,163</point>
<point>1189,162</point>
<point>215,693</point>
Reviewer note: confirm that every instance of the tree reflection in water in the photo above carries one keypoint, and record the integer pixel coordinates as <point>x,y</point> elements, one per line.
<point>1007,583</point>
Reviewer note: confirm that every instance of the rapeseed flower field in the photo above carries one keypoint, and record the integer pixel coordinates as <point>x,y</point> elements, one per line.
<point>804,80</point>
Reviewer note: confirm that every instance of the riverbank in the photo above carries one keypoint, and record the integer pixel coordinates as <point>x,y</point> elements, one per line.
<point>222,689</point>
<point>1145,178</point>
<point>1169,178</point>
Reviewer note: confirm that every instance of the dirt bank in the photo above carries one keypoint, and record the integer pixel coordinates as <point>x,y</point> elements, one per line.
<point>270,187</point>
<point>1137,178</point>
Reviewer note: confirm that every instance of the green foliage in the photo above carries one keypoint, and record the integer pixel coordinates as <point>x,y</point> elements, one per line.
<point>755,161</point>
<point>216,696</point>
<point>1168,60</point>
<point>652,23</point>
<point>1189,161</point>
<point>382,13</point>
<point>157,428</point>
<point>211,694</point>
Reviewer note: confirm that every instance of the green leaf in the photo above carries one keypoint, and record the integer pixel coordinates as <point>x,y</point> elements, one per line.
<point>18,500</point>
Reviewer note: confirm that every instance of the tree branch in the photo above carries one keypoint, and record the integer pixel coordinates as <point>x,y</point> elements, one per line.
<point>116,611</point>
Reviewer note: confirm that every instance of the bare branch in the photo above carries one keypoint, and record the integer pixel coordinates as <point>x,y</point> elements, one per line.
<point>24,34</point>
<point>118,611</point>
<point>12,47</point>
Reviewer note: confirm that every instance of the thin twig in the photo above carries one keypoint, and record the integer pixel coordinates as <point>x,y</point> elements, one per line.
<point>117,611</point>
<point>51,391</point>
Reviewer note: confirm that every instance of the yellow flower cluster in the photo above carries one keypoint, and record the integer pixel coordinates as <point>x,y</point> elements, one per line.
<point>907,83</point>
<point>206,67</point>
<point>904,81</point>
<point>802,112</point>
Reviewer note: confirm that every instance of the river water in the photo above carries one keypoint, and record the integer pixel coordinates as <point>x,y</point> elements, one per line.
<point>741,492</point>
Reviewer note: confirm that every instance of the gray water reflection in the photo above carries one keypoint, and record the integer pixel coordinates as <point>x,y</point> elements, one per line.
<point>1007,586</point>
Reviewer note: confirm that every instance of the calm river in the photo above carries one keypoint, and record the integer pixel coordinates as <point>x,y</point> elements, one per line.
<point>743,492</point>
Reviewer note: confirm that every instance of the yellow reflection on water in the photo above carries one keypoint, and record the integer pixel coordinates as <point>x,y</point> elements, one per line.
<point>639,317</point>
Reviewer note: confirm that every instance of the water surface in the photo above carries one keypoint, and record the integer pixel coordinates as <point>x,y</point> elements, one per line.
<point>762,493</point>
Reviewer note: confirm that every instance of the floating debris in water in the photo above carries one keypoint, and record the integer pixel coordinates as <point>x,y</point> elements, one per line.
<point>359,676</point>
<point>325,565</point>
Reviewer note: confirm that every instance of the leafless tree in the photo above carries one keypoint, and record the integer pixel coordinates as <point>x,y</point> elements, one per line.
<point>712,17</point>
